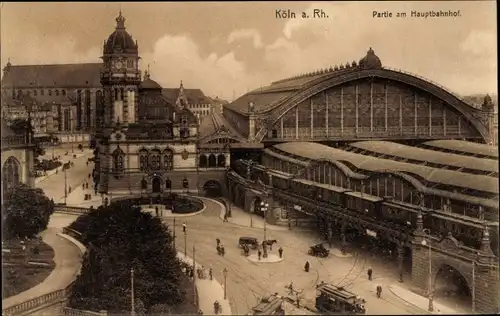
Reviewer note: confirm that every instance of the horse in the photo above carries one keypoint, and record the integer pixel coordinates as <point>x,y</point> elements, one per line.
<point>269,242</point>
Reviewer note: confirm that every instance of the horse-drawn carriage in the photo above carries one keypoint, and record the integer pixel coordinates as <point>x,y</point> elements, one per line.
<point>318,250</point>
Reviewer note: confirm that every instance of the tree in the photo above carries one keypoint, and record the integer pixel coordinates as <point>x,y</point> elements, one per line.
<point>25,212</point>
<point>121,237</point>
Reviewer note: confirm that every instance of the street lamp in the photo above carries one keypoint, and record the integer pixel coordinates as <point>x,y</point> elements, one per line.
<point>264,207</point>
<point>65,184</point>
<point>225,282</point>
<point>427,242</point>
<point>184,229</point>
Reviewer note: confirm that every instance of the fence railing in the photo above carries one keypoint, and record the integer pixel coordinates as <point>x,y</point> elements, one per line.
<point>37,302</point>
<point>71,209</point>
<point>80,312</point>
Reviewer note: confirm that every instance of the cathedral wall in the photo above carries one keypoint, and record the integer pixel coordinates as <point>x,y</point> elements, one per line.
<point>180,162</point>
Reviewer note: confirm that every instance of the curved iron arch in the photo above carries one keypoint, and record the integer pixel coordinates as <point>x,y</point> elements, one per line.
<point>143,149</point>
<point>336,79</point>
<point>214,137</point>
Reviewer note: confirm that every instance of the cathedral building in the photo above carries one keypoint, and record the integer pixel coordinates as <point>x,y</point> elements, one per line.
<point>146,142</point>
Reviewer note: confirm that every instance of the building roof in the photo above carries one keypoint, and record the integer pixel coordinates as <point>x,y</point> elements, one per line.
<point>206,127</point>
<point>149,84</point>
<point>265,97</point>
<point>315,151</point>
<point>120,41</point>
<point>194,96</point>
<point>465,147</point>
<point>421,154</point>
<point>52,76</point>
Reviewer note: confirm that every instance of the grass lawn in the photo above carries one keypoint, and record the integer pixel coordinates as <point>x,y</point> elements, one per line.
<point>18,275</point>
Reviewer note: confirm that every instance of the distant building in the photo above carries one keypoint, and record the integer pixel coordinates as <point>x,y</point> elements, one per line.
<point>198,103</point>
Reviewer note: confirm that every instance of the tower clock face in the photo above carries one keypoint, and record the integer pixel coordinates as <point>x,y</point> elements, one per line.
<point>117,64</point>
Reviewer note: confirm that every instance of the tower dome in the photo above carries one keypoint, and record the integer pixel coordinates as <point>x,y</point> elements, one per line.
<point>120,40</point>
<point>370,60</point>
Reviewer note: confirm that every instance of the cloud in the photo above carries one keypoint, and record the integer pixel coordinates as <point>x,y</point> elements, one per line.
<point>252,34</point>
<point>50,50</point>
<point>176,58</point>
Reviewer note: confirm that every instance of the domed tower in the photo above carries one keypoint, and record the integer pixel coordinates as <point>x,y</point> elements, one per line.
<point>370,61</point>
<point>120,76</point>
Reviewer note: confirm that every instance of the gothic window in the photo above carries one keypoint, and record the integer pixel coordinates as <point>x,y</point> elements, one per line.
<point>130,63</point>
<point>118,161</point>
<point>63,92</point>
<point>116,94</point>
<point>203,161</point>
<point>154,160</point>
<point>212,161</point>
<point>122,94</point>
<point>10,173</point>
<point>50,92</point>
<point>221,160</point>
<point>35,92</point>
<point>143,160</point>
<point>57,92</point>
<point>42,92</point>
<point>168,160</point>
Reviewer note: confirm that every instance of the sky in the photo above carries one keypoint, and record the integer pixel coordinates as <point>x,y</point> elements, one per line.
<point>229,48</point>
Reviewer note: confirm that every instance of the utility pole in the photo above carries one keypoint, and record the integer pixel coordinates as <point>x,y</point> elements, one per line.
<point>65,185</point>
<point>194,276</point>
<point>173,237</point>
<point>225,282</point>
<point>185,243</point>
<point>427,241</point>
<point>473,287</point>
<point>132,312</point>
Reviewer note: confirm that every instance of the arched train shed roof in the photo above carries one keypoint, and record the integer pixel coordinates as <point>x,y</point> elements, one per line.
<point>315,151</point>
<point>427,155</point>
<point>464,147</point>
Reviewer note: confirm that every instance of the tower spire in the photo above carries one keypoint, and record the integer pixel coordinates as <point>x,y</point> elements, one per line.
<point>120,20</point>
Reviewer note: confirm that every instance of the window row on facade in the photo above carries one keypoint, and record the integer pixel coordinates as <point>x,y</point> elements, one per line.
<point>398,188</point>
<point>212,161</point>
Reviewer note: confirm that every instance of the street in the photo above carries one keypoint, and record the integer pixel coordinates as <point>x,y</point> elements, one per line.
<point>247,281</point>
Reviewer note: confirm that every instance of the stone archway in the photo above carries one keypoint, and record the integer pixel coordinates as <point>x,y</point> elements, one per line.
<point>255,207</point>
<point>451,285</point>
<point>156,185</point>
<point>212,188</point>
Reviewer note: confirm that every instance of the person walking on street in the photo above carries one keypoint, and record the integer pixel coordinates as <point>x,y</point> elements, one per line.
<point>307,266</point>
<point>379,291</point>
<point>218,242</point>
<point>259,254</point>
<point>370,271</point>
<point>156,210</point>
<point>280,251</point>
<point>210,274</point>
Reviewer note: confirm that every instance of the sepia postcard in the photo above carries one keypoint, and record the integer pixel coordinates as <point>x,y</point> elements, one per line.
<point>249,158</point>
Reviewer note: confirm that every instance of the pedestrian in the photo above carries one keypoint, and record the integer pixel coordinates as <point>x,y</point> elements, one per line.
<point>280,251</point>
<point>218,242</point>
<point>156,210</point>
<point>307,266</point>
<point>379,291</point>
<point>89,175</point>
<point>210,274</point>
<point>184,227</point>
<point>370,271</point>
<point>69,189</point>
<point>259,254</point>
<point>83,186</point>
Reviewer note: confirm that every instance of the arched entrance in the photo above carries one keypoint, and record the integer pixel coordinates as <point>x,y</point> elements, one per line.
<point>156,185</point>
<point>255,206</point>
<point>212,189</point>
<point>450,285</point>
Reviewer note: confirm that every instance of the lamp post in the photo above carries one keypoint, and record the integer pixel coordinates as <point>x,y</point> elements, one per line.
<point>224,272</point>
<point>264,207</point>
<point>185,238</point>
<point>132,312</point>
<point>65,184</point>
<point>427,242</point>
<point>173,237</point>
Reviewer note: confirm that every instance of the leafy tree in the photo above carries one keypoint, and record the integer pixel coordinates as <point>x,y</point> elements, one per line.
<point>25,212</point>
<point>121,237</point>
